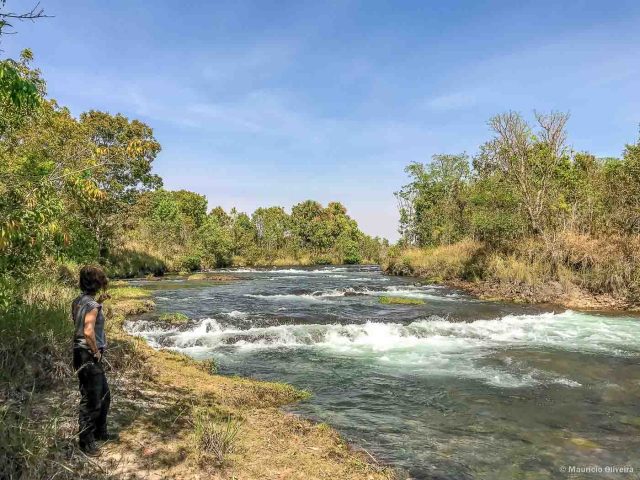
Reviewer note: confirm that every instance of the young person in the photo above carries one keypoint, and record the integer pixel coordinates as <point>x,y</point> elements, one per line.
<point>89,343</point>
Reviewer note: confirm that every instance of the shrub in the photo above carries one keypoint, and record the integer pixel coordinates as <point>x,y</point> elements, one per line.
<point>191,263</point>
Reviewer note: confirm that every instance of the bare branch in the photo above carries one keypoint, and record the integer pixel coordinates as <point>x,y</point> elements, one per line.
<point>552,131</point>
<point>6,18</point>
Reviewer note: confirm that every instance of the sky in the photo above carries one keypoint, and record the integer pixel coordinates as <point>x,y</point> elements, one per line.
<point>275,102</point>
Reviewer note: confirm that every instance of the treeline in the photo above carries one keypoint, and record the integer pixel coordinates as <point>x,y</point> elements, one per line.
<point>524,181</point>
<point>80,190</point>
<point>534,210</point>
<point>176,228</point>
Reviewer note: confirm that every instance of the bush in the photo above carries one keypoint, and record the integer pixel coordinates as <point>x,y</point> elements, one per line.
<point>191,263</point>
<point>130,263</point>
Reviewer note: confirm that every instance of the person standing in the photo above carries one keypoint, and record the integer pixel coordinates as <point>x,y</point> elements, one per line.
<point>89,343</point>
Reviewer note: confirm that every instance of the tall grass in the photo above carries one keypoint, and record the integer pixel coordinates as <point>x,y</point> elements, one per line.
<point>35,340</point>
<point>602,265</point>
<point>35,337</point>
<point>436,264</point>
<point>214,437</point>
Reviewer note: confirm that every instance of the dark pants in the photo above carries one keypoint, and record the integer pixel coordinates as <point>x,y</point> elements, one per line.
<point>96,397</point>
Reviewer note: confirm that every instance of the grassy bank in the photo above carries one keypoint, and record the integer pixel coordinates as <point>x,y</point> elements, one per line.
<point>176,417</point>
<point>577,271</point>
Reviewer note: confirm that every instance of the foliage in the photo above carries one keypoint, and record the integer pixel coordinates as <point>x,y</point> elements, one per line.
<point>525,181</point>
<point>174,227</point>
<point>64,182</point>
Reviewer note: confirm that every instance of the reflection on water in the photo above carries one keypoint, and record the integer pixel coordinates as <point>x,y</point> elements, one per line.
<point>455,388</point>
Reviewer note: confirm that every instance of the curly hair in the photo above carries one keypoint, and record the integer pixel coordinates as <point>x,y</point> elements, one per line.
<point>92,279</point>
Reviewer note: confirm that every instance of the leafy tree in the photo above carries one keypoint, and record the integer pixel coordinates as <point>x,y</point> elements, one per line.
<point>123,153</point>
<point>271,227</point>
<point>243,232</point>
<point>192,206</point>
<point>215,244</point>
<point>432,206</point>
<point>306,224</point>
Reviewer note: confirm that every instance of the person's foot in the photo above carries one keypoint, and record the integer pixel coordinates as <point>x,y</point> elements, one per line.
<point>90,449</point>
<point>106,437</point>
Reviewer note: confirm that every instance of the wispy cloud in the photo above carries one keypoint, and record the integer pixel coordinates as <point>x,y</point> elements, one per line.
<point>453,101</point>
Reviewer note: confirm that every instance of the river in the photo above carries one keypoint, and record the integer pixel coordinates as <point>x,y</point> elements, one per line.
<point>456,388</point>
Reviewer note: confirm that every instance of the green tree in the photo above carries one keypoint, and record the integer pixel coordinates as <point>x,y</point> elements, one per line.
<point>432,206</point>
<point>120,167</point>
<point>215,244</point>
<point>271,226</point>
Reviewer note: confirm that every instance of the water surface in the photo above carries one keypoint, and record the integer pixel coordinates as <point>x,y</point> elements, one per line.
<point>456,388</point>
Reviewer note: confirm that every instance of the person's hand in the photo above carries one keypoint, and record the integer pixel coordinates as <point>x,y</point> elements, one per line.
<point>97,356</point>
<point>104,297</point>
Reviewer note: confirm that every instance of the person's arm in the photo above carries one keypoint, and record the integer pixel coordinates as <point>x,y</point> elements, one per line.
<point>90,332</point>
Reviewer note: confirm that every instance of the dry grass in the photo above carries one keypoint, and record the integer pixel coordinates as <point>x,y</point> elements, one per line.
<point>436,264</point>
<point>577,270</point>
<point>517,270</point>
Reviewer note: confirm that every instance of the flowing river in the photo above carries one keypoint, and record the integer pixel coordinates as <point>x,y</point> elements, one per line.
<point>456,388</point>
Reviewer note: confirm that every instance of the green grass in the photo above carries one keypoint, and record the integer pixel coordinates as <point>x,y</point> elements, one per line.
<point>174,318</point>
<point>126,292</point>
<point>400,301</point>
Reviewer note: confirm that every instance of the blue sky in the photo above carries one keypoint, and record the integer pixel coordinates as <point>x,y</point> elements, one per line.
<point>273,102</point>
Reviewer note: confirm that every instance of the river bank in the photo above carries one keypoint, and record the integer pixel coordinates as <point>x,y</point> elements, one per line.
<point>440,385</point>
<point>158,407</point>
<point>575,273</point>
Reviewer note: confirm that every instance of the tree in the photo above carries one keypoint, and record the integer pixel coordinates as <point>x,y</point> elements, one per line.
<point>305,223</point>
<point>215,244</point>
<point>243,232</point>
<point>432,206</point>
<point>528,161</point>
<point>120,168</point>
<point>623,192</point>
<point>271,227</point>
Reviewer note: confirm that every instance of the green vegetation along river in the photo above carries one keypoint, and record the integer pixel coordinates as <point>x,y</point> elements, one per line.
<point>454,388</point>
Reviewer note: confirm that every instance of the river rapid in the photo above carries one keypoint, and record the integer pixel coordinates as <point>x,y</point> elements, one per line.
<point>456,388</point>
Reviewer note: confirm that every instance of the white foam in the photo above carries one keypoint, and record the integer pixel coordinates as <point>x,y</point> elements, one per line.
<point>297,271</point>
<point>237,314</point>
<point>406,292</point>
<point>284,297</point>
<point>432,346</point>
